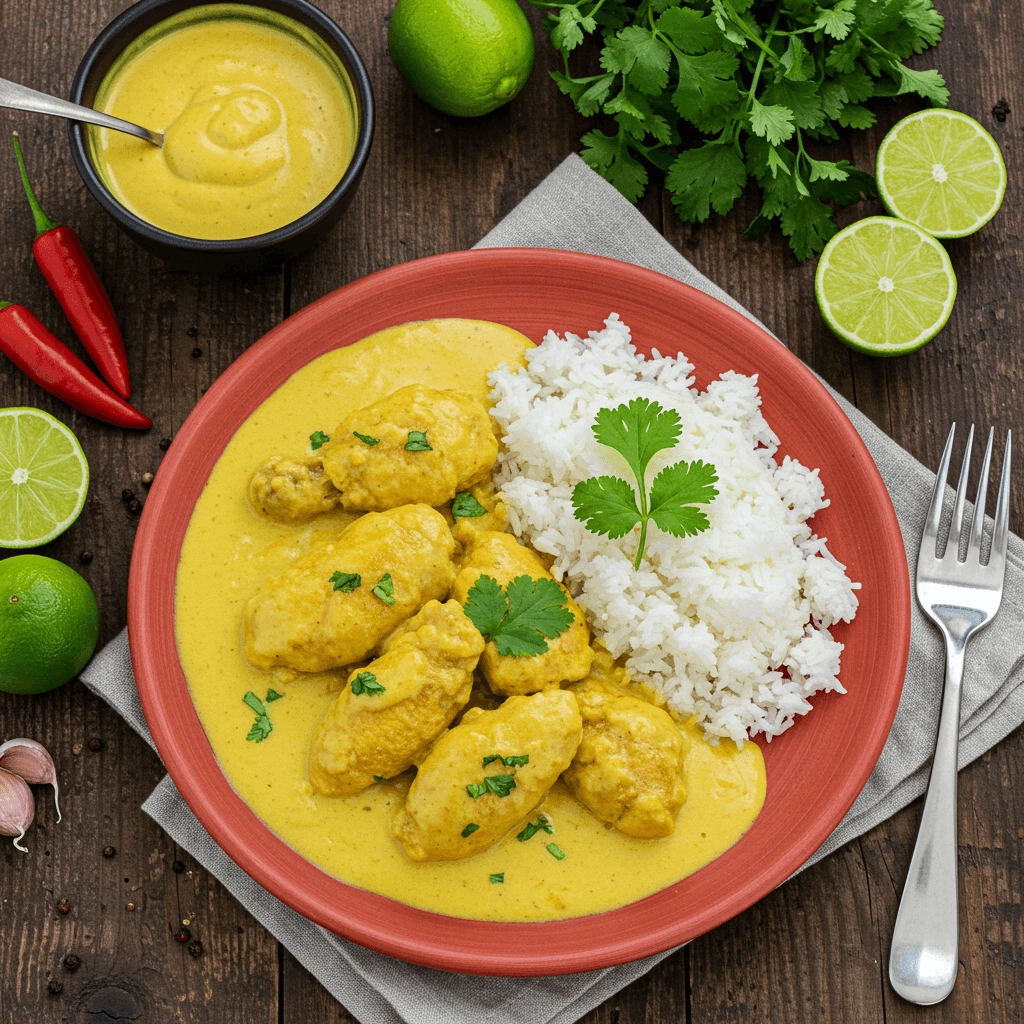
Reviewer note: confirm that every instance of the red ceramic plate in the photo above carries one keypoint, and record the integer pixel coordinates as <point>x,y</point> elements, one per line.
<point>815,770</point>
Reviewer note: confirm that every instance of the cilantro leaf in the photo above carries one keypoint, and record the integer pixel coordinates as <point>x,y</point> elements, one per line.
<point>417,442</point>
<point>500,785</point>
<point>384,589</point>
<point>637,430</point>
<point>808,224</point>
<point>366,683</point>
<point>254,703</point>
<point>366,439</point>
<point>929,84</point>
<point>486,605</point>
<point>318,439</point>
<point>542,824</point>
<point>675,491</point>
<point>838,20</point>
<point>520,618</point>
<point>706,81</point>
<point>470,829</point>
<point>640,56</point>
<point>771,121</point>
<point>465,506</point>
<point>711,177</point>
<point>511,761</point>
<point>567,32</point>
<point>498,878</point>
<point>606,505</point>
<point>260,729</point>
<point>612,159</point>
<point>689,30</point>
<point>346,582</point>
<point>272,695</point>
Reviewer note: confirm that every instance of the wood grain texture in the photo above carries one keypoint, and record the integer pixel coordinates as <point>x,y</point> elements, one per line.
<point>814,951</point>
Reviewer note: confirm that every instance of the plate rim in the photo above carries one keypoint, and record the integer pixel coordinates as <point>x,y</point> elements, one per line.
<point>460,949</point>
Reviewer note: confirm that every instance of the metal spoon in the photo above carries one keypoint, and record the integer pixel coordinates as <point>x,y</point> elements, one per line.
<point>19,97</point>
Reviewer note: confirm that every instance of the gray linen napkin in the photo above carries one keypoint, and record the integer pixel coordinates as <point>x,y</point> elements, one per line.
<point>573,208</point>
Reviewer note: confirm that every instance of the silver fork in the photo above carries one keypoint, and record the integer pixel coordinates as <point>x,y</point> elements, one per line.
<point>960,597</point>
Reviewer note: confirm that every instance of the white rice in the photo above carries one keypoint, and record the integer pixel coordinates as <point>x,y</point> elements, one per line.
<point>730,625</point>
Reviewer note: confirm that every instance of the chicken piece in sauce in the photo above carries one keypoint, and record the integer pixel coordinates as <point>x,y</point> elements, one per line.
<point>629,768</point>
<point>308,619</point>
<point>500,556</point>
<point>423,446</point>
<point>292,489</point>
<point>426,671</point>
<point>539,733</point>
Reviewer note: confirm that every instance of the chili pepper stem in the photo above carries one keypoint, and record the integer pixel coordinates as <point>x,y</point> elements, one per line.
<point>43,223</point>
<point>4,305</point>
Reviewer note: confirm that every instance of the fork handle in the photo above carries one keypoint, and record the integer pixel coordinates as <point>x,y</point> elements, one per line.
<point>924,958</point>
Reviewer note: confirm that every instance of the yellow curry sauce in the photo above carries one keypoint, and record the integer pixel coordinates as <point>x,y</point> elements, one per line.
<point>227,555</point>
<point>259,118</point>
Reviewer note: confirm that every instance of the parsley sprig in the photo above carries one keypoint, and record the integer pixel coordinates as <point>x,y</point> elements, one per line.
<point>756,81</point>
<point>520,616</point>
<point>608,505</point>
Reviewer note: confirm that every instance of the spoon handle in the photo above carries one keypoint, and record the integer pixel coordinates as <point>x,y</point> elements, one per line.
<point>19,97</point>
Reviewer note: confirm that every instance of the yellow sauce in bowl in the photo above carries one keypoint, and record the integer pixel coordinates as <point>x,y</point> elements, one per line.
<point>229,552</point>
<point>258,113</point>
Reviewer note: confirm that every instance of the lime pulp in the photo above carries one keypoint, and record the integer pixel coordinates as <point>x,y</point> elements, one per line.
<point>884,286</point>
<point>44,478</point>
<point>942,171</point>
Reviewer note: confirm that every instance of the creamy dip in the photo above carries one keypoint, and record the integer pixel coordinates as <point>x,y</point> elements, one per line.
<point>258,115</point>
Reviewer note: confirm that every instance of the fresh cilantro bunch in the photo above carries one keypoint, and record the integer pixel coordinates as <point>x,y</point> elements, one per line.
<point>720,94</point>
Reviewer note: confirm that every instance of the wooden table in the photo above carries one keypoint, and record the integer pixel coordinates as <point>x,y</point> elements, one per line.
<point>815,950</point>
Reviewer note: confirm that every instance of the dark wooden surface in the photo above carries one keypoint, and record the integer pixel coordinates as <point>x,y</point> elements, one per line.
<point>815,950</point>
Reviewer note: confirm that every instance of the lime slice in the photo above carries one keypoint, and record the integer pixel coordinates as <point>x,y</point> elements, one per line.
<point>884,286</point>
<point>44,478</point>
<point>942,171</point>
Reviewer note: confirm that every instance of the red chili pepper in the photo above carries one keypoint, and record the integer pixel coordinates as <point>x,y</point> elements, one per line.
<point>73,279</point>
<point>53,366</point>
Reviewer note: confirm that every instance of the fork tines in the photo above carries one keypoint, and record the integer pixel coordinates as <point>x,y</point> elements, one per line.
<point>930,543</point>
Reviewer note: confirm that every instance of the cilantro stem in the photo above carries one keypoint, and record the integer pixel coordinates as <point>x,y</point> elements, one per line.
<point>645,516</point>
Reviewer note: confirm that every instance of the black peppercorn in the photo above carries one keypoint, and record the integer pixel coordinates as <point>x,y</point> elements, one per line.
<point>127,494</point>
<point>177,867</point>
<point>195,948</point>
<point>193,332</point>
<point>196,352</point>
<point>64,906</point>
<point>135,506</point>
<point>165,443</point>
<point>72,963</point>
<point>109,851</point>
<point>85,557</point>
<point>95,744</point>
<point>54,987</point>
<point>183,935</point>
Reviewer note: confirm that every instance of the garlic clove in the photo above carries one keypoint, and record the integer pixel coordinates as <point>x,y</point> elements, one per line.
<point>17,807</point>
<point>32,761</point>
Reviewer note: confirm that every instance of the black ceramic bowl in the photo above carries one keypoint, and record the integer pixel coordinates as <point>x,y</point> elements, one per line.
<point>215,255</point>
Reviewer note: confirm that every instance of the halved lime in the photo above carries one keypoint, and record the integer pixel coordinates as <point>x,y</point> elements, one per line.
<point>942,171</point>
<point>884,286</point>
<point>44,478</point>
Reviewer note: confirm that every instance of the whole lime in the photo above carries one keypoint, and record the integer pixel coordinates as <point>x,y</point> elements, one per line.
<point>49,624</point>
<point>465,57</point>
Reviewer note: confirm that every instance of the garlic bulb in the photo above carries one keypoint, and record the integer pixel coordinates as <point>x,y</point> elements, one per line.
<point>17,807</point>
<point>32,761</point>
